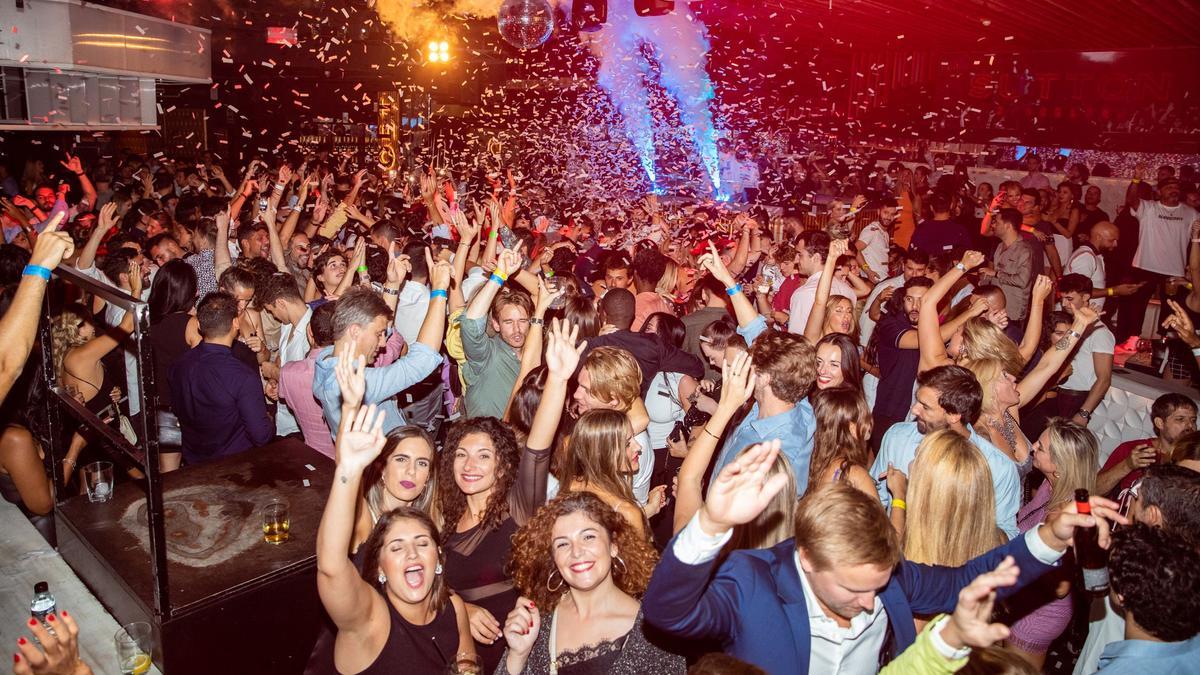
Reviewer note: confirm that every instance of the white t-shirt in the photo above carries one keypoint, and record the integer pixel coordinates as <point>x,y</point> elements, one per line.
<point>1085,261</point>
<point>663,407</point>
<point>865,325</point>
<point>1163,242</point>
<point>804,297</point>
<point>411,308</point>
<point>1099,340</point>
<point>1103,631</point>
<point>293,346</point>
<point>875,248</point>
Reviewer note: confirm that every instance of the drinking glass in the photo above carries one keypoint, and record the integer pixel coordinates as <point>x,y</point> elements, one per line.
<point>98,479</point>
<point>135,644</point>
<point>276,521</point>
<point>464,664</point>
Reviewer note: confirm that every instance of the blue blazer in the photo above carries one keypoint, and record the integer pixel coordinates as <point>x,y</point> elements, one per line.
<point>754,603</point>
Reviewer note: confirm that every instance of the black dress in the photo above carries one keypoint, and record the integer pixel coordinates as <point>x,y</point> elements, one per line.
<point>476,558</point>
<point>431,648</point>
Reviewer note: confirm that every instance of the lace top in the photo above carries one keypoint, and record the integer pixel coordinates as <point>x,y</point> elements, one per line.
<point>630,654</point>
<point>596,659</point>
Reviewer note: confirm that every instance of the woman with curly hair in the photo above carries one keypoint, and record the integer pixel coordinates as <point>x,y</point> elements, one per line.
<point>581,565</point>
<point>490,488</point>
<point>397,614</point>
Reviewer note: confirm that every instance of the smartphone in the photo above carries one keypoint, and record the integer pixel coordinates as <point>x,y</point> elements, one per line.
<point>679,434</point>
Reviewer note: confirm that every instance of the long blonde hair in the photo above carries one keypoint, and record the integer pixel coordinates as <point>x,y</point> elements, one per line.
<point>64,335</point>
<point>1075,453</point>
<point>988,371</point>
<point>949,482</point>
<point>777,522</point>
<point>981,339</point>
<point>595,454</point>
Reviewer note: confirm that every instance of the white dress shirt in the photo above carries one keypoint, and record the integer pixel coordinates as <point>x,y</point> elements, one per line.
<point>804,297</point>
<point>293,346</point>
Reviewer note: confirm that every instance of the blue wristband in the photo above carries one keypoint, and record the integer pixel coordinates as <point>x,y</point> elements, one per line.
<point>37,271</point>
<point>497,278</point>
<point>438,293</point>
<point>733,290</point>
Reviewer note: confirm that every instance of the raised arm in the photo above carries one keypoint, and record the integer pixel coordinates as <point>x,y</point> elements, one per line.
<point>105,341</point>
<point>509,262</point>
<point>434,328</point>
<point>738,380</point>
<point>1052,361</point>
<point>816,317</point>
<point>221,259</point>
<point>358,259</point>
<point>743,309</point>
<point>531,352</point>
<point>108,218</point>
<point>562,356</point>
<point>349,600</point>
<point>76,167</point>
<point>269,218</point>
<point>929,329</point>
<point>18,327</point>
<point>352,196</point>
<point>1037,308</point>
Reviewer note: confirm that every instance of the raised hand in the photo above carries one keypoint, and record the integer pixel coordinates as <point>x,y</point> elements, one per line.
<point>285,175</point>
<point>52,246</point>
<point>440,272</point>
<point>838,248</point>
<point>508,261</point>
<point>360,443</point>
<point>712,263</point>
<point>73,164</point>
<point>562,352</point>
<point>59,654</point>
<point>399,266</point>
<point>972,259</point>
<point>1042,287</point>
<point>545,297</point>
<point>521,629</point>
<point>742,490</point>
<point>1085,316</point>
<point>970,625</point>
<point>135,279</point>
<point>467,231</point>
<point>737,381</point>
<point>360,176</point>
<point>350,373</point>
<point>22,200</point>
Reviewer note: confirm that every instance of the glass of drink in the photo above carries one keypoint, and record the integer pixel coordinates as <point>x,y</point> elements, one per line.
<point>135,644</point>
<point>98,479</point>
<point>465,664</point>
<point>276,521</point>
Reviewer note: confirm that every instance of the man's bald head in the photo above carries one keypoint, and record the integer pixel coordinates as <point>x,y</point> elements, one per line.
<point>1104,236</point>
<point>618,307</point>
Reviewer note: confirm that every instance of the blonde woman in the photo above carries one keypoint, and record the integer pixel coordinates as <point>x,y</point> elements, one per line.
<point>1067,454</point>
<point>949,482</point>
<point>602,457</point>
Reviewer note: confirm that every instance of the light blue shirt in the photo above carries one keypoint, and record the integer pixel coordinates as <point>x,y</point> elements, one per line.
<point>382,384</point>
<point>899,447</point>
<point>793,428</point>
<point>1144,656</point>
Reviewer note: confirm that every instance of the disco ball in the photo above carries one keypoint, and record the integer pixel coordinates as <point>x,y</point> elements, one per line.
<point>525,24</point>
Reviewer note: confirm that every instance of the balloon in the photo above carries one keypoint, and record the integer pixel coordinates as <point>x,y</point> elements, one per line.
<point>525,24</point>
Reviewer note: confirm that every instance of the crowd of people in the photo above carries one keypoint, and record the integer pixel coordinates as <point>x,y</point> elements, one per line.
<point>638,437</point>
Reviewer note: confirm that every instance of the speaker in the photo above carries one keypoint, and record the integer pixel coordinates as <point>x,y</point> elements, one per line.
<point>653,7</point>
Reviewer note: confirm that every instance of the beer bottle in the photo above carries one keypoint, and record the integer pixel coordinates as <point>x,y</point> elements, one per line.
<point>1092,559</point>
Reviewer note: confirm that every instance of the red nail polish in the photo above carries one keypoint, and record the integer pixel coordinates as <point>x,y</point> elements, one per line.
<point>16,658</point>
<point>50,618</point>
<point>21,641</point>
<point>33,622</point>
<point>64,613</point>
<point>531,604</point>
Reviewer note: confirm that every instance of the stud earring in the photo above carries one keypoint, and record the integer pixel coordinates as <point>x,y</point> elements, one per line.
<point>382,578</point>
<point>438,569</point>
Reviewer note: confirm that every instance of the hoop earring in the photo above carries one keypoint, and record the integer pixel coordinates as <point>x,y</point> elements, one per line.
<point>382,578</point>
<point>560,582</point>
<point>624,568</point>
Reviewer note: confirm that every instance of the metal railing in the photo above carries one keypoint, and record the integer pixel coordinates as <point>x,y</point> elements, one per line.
<point>142,458</point>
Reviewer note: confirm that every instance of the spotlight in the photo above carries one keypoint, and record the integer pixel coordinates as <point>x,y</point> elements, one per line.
<point>439,51</point>
<point>589,15</point>
<point>653,7</point>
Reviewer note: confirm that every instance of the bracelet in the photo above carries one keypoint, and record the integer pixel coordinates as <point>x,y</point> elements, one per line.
<point>493,234</point>
<point>534,321</point>
<point>390,291</point>
<point>1196,241</point>
<point>439,293</point>
<point>550,273</point>
<point>1137,180</point>
<point>960,267</point>
<point>80,173</point>
<point>1196,352</point>
<point>1085,414</point>
<point>705,429</point>
<point>900,504</point>
<point>68,459</point>
<point>362,269</point>
<point>1109,292</point>
<point>497,278</point>
<point>733,290</point>
<point>36,271</point>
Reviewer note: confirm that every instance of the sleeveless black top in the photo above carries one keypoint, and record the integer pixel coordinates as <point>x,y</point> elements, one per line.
<point>418,649</point>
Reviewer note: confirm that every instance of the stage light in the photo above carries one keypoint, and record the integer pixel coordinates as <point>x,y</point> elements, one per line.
<point>439,52</point>
<point>589,15</point>
<point>653,7</point>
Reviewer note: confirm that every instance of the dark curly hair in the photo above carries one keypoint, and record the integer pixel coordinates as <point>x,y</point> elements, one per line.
<point>451,500</point>
<point>374,545</point>
<point>532,561</point>
<point>1156,575</point>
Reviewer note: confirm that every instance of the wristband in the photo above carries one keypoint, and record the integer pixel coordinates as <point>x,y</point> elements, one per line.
<point>1196,241</point>
<point>1109,292</point>
<point>390,291</point>
<point>362,269</point>
<point>438,293</point>
<point>1137,180</point>
<point>493,234</point>
<point>534,321</point>
<point>733,290</point>
<point>550,273</point>
<point>1196,352</point>
<point>497,278</point>
<point>900,504</point>
<point>940,645</point>
<point>36,271</point>
<point>960,267</point>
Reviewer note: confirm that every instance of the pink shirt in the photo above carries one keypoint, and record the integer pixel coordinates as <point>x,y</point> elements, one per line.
<point>646,304</point>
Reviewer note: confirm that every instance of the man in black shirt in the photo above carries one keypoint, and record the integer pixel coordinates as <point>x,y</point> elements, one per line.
<point>898,357</point>
<point>1091,213</point>
<point>941,235</point>
<point>652,354</point>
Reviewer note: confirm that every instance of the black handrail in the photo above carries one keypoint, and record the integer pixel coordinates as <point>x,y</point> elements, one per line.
<point>144,456</point>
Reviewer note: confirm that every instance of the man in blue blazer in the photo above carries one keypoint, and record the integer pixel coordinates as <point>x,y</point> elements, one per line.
<point>837,598</point>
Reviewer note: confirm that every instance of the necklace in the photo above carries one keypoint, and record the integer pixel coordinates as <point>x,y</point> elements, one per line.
<point>1007,428</point>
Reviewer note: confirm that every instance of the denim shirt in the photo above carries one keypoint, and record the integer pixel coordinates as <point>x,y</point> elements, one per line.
<point>382,384</point>
<point>899,447</point>
<point>1144,656</point>
<point>794,428</point>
